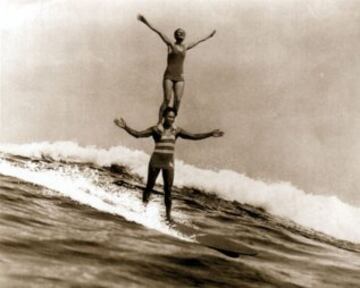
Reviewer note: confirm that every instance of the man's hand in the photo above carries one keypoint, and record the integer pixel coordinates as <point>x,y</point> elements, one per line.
<point>120,122</point>
<point>141,18</point>
<point>217,133</point>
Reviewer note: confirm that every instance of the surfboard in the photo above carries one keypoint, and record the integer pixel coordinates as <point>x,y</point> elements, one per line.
<point>219,243</point>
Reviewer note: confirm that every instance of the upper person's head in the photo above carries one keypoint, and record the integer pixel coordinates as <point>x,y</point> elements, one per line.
<point>169,116</point>
<point>179,35</point>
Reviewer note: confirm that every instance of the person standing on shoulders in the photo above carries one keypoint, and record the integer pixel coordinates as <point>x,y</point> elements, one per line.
<point>173,80</point>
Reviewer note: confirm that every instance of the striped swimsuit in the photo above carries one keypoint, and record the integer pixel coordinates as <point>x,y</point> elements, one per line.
<point>163,155</point>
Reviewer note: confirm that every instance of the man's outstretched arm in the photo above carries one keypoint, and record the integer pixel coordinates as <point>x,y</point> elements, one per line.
<point>137,134</point>
<point>199,136</point>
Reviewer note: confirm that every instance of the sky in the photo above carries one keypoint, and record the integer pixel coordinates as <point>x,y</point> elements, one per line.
<point>279,77</point>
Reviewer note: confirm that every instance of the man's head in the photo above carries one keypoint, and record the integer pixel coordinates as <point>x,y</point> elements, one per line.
<point>179,35</point>
<point>169,115</point>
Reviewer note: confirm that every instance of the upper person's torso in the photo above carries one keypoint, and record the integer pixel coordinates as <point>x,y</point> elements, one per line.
<point>175,62</point>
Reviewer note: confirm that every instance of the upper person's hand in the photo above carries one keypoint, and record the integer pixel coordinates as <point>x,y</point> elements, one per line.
<point>120,122</point>
<point>141,18</point>
<point>217,133</point>
<point>212,33</point>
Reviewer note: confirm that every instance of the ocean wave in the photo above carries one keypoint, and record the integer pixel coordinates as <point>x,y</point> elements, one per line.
<point>326,214</point>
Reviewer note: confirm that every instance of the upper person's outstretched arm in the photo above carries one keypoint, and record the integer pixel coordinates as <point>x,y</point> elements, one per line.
<point>199,136</point>
<point>193,44</point>
<point>142,19</point>
<point>137,134</point>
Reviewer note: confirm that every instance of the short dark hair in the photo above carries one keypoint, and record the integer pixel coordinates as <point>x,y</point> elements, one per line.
<point>168,110</point>
<point>179,30</point>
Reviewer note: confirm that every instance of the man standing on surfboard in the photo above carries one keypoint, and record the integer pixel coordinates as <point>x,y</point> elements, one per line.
<point>173,77</point>
<point>162,158</point>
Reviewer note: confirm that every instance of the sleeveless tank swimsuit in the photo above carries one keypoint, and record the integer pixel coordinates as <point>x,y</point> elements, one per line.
<point>163,155</point>
<point>175,63</point>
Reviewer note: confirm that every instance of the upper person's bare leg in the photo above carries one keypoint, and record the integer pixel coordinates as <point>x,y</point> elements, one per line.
<point>167,87</point>
<point>178,93</point>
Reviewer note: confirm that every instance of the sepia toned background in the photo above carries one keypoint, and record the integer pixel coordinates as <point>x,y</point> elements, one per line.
<point>279,77</point>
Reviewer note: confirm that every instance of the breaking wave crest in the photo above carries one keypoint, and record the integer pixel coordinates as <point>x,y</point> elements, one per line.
<point>326,214</point>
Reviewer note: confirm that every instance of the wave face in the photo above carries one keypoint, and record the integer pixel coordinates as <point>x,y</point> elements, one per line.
<point>326,214</point>
<point>63,222</point>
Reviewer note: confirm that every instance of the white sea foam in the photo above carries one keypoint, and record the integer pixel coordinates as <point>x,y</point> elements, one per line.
<point>323,213</point>
<point>83,188</point>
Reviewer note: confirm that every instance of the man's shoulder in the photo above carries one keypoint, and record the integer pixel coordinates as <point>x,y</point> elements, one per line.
<point>178,130</point>
<point>159,128</point>
<point>155,128</point>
